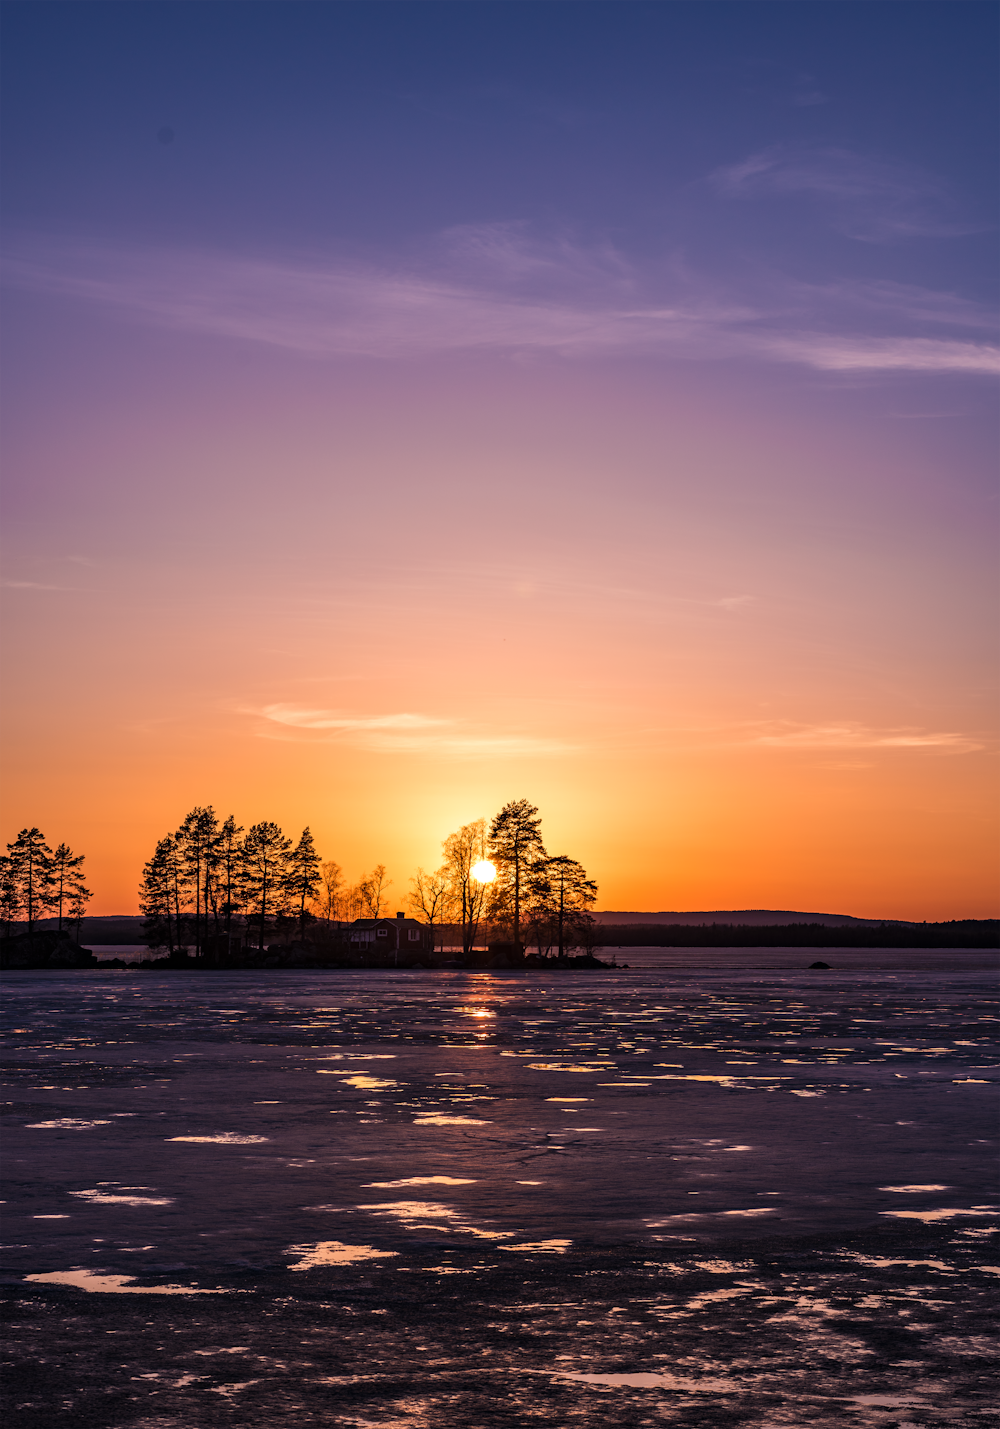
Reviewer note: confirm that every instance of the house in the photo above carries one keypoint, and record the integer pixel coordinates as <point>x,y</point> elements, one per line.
<point>405,938</point>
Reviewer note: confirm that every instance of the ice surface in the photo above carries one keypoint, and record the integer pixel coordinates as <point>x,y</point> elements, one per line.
<point>658,1245</point>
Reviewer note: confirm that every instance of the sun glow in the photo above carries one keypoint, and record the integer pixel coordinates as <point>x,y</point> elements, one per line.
<point>484,871</point>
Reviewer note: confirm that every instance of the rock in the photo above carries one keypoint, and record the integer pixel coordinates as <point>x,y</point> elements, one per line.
<point>819,965</point>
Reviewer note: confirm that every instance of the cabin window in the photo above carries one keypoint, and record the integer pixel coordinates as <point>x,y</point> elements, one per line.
<point>414,935</point>
<point>383,932</point>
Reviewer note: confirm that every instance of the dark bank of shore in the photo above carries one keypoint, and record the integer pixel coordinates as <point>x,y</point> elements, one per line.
<point>58,951</point>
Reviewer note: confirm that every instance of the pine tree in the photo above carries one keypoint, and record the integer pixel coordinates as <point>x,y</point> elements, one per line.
<point>157,895</point>
<point>67,882</point>
<point>198,841</point>
<point>264,859</point>
<point>10,894</point>
<point>569,894</point>
<point>303,876</point>
<point>228,873</point>
<point>31,869</point>
<point>515,847</point>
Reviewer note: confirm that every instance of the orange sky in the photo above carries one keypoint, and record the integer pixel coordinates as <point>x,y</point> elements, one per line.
<point>755,684</point>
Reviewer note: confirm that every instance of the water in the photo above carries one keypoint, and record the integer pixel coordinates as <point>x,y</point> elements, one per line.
<point>744,1195</point>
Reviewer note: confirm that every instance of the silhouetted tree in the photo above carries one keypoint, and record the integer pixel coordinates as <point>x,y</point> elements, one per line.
<point>432,898</point>
<point>159,895</point>
<point>515,847</point>
<point>10,894</point>
<point>31,869</point>
<point>228,872</point>
<point>265,862</point>
<point>198,841</point>
<point>302,878</point>
<point>564,894</point>
<point>329,895</point>
<point>372,889</point>
<point>462,851</point>
<point>67,882</point>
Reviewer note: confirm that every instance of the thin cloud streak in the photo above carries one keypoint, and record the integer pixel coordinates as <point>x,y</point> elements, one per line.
<point>401,734</point>
<point>869,199</point>
<point>300,718</point>
<point>851,735</point>
<point>341,309</point>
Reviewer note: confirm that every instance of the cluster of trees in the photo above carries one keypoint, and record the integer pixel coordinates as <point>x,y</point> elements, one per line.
<point>37,883</point>
<point>536,898</point>
<point>212,880</point>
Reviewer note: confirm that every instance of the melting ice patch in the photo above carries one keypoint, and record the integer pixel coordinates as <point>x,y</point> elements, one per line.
<point>423,1181</point>
<point>940,1215</point>
<point>651,1381</point>
<point>908,1189</point>
<point>570,1067</point>
<point>555,1247</point>
<point>449,1121</point>
<point>66,1123</point>
<point>222,1138</point>
<point>114,1284</point>
<point>368,1084</point>
<point>430,1215</point>
<point>333,1252</point>
<point>123,1196</point>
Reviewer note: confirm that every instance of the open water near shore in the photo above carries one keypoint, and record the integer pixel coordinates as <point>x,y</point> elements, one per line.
<point>717,1189</point>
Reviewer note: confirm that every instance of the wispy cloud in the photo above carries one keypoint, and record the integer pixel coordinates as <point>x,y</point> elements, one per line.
<point>496,289</point>
<point>300,718</point>
<point>401,733</point>
<point>35,585</point>
<point>784,734</point>
<point>874,200</point>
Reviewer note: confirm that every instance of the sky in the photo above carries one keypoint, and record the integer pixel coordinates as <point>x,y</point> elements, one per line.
<point>410,407</point>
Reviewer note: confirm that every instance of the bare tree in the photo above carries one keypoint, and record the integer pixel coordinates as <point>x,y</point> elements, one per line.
<point>329,894</point>
<point>462,851</point>
<point>372,889</point>
<point>432,898</point>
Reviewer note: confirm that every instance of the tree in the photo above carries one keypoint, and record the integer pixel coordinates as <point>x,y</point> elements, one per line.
<point>228,873</point>
<point>329,895</point>
<point>462,851</point>
<point>198,841</point>
<point>372,889</point>
<point>159,895</point>
<point>67,881</point>
<point>303,876</point>
<point>515,847</point>
<point>568,895</point>
<point>10,894</point>
<point>31,870</point>
<point>265,861</point>
<point>432,898</point>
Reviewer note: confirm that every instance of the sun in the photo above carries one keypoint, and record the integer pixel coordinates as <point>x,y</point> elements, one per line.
<point>484,871</point>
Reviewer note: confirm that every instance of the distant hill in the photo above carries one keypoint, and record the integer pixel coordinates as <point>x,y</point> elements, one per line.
<point>748,918</point>
<point>118,928</point>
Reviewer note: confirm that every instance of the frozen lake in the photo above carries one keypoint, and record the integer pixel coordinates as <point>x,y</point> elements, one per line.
<point>717,1188</point>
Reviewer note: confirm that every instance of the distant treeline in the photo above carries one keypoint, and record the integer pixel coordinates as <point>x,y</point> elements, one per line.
<point>959,933</point>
